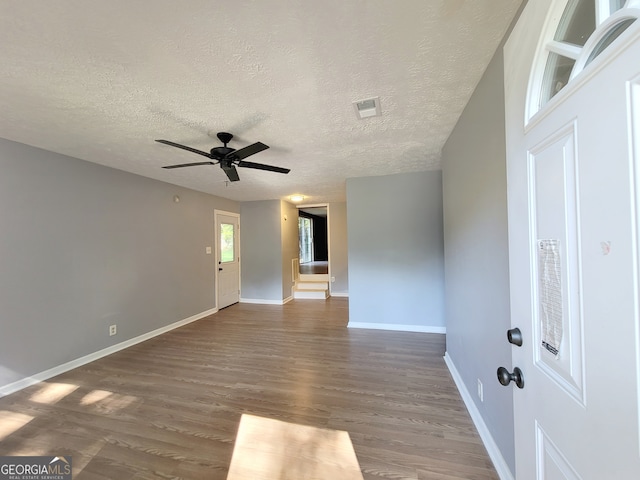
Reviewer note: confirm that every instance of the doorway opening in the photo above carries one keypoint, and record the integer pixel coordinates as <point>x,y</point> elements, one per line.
<point>313,237</point>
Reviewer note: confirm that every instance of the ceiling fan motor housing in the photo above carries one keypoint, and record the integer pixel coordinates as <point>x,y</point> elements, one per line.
<point>225,137</point>
<point>220,152</point>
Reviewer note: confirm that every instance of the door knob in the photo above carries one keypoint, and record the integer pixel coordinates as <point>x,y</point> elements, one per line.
<point>504,377</point>
<point>515,336</point>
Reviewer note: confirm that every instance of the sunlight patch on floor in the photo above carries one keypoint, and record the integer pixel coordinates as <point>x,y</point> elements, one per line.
<point>104,401</point>
<point>11,422</point>
<point>268,449</point>
<point>112,403</point>
<point>51,393</point>
<point>95,396</point>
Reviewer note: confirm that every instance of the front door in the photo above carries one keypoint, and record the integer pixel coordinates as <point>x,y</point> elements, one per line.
<point>228,258</point>
<point>573,217</point>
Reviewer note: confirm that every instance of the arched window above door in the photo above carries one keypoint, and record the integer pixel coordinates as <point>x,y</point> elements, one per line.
<point>576,33</point>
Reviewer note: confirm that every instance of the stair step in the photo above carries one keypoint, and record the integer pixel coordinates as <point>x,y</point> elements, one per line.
<point>311,294</point>
<point>312,285</point>
<point>318,277</point>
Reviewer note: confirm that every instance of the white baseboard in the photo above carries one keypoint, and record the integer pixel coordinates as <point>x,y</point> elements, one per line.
<point>340,294</point>
<point>261,301</point>
<point>400,328</point>
<point>78,362</point>
<point>504,472</point>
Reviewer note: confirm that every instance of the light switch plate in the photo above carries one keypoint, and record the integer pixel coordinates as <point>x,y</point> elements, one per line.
<point>208,250</point>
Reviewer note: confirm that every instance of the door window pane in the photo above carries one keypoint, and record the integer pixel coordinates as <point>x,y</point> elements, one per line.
<point>577,23</point>
<point>227,246</point>
<point>556,76</point>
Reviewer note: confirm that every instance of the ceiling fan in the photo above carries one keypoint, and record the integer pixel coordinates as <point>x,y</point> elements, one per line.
<point>228,158</point>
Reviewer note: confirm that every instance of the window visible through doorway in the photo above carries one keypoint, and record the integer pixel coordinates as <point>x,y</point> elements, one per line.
<point>305,236</point>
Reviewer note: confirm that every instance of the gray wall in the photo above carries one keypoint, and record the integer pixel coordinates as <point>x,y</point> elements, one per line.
<point>476,253</point>
<point>290,246</point>
<point>261,251</point>
<point>338,248</point>
<point>83,247</point>
<point>395,250</point>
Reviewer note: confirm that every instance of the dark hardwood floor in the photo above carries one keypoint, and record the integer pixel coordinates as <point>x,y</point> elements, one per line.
<point>170,407</point>
<point>314,268</point>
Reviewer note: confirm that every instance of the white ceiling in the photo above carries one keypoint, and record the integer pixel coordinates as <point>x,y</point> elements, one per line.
<point>100,80</point>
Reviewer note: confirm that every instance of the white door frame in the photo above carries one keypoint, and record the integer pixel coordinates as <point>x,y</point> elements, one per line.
<point>327,206</point>
<point>216,214</point>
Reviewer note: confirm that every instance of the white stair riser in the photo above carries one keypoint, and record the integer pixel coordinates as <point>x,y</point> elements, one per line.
<point>304,277</point>
<point>312,285</point>
<point>311,294</point>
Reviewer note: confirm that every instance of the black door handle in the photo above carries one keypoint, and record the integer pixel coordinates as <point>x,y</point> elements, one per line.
<point>504,377</point>
<point>219,269</point>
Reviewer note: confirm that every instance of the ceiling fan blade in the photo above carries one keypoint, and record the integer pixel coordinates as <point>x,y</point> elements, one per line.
<point>231,171</point>
<point>260,166</point>
<point>190,164</point>
<point>184,147</point>
<point>248,151</point>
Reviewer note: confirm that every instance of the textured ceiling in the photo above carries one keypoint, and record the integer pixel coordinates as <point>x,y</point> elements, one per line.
<point>100,80</point>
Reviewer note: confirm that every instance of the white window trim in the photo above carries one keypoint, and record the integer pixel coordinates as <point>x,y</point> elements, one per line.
<point>533,112</point>
<point>600,33</point>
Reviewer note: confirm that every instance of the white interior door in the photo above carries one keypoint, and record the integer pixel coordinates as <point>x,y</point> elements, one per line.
<point>573,217</point>
<point>228,258</point>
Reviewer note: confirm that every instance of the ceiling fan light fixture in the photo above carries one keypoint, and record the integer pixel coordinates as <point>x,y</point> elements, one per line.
<point>369,107</point>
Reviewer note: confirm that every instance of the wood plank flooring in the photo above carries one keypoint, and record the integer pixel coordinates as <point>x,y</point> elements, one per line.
<point>170,407</point>
<point>314,268</point>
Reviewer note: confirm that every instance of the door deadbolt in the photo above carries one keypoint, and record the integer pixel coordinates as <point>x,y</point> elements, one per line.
<point>515,336</point>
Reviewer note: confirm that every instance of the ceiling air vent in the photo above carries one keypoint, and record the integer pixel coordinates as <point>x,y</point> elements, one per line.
<point>367,108</point>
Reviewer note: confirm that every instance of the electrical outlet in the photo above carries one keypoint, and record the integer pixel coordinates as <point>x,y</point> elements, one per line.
<point>113,329</point>
<point>480,391</point>
<point>333,279</point>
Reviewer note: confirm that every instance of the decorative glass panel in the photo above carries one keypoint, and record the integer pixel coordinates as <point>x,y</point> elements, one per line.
<point>227,247</point>
<point>577,23</point>
<point>556,76</point>
<point>576,26</point>
<point>614,33</point>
